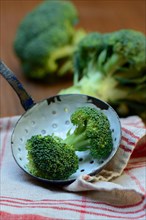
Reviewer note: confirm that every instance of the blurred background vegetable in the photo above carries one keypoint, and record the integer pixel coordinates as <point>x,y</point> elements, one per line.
<point>112,67</point>
<point>46,39</point>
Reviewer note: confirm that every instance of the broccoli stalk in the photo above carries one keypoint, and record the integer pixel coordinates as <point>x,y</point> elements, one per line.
<point>112,67</point>
<point>78,139</point>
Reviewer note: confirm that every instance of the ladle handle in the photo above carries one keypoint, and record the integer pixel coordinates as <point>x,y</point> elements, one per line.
<point>25,99</point>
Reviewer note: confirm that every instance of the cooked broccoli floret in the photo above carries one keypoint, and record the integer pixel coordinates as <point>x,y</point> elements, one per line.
<point>50,158</point>
<point>92,132</point>
<point>112,67</point>
<point>46,39</point>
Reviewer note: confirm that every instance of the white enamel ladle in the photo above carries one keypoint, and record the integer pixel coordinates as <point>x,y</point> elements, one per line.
<point>52,115</point>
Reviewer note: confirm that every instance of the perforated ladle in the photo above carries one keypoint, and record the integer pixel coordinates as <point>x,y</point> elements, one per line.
<point>52,115</point>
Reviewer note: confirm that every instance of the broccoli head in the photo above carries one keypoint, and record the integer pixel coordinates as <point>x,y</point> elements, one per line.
<point>46,39</point>
<point>92,132</point>
<point>50,158</point>
<point>112,67</point>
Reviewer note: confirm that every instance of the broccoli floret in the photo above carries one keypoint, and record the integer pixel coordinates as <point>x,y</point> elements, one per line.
<point>50,158</point>
<point>92,132</point>
<point>46,39</point>
<point>112,67</point>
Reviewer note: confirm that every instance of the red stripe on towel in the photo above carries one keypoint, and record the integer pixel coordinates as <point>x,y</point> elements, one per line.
<point>130,133</point>
<point>121,216</point>
<point>9,216</point>
<point>136,180</point>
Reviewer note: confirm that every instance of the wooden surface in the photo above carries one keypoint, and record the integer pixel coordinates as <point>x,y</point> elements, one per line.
<point>95,15</point>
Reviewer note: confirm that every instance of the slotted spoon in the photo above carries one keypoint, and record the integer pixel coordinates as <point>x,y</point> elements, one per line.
<point>52,115</point>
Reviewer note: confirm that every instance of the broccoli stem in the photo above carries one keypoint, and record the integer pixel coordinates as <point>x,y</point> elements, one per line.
<point>79,141</point>
<point>60,53</point>
<point>101,60</point>
<point>113,63</point>
<point>107,86</point>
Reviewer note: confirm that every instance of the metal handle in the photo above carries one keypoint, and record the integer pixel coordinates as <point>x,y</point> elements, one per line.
<point>25,99</point>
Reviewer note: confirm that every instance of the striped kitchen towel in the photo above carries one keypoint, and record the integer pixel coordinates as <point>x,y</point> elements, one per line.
<point>117,192</point>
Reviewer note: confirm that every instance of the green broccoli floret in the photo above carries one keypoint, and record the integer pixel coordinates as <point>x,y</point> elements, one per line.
<point>92,132</point>
<point>112,67</point>
<point>54,158</point>
<point>50,158</point>
<point>46,39</point>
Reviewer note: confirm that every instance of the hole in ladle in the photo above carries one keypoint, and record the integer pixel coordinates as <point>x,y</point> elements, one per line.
<point>43,131</point>
<point>54,125</point>
<point>26,130</point>
<point>66,109</point>
<point>80,159</point>
<point>82,170</point>
<point>67,122</point>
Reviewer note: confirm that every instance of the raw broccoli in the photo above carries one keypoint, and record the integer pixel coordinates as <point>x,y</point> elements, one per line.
<point>50,158</point>
<point>54,158</point>
<point>46,39</point>
<point>92,132</point>
<point>112,67</point>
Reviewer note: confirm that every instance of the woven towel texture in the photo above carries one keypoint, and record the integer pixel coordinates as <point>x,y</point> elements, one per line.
<point>117,192</point>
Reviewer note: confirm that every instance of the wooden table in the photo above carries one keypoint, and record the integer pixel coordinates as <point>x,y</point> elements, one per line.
<point>95,15</point>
